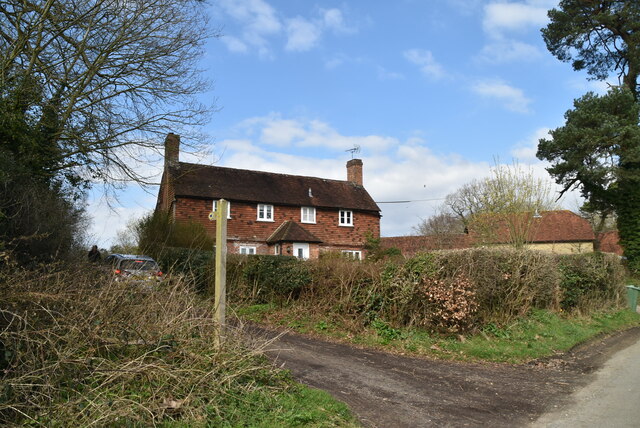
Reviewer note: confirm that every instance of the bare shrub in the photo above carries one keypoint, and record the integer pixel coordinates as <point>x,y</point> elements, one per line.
<point>81,350</point>
<point>453,301</point>
<point>342,285</point>
<point>508,282</point>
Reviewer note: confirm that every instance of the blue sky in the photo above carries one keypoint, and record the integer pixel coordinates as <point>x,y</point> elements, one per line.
<point>433,91</point>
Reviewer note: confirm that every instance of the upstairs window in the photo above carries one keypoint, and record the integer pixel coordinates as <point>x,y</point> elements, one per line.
<point>247,250</point>
<point>308,215</point>
<point>346,218</point>
<point>265,212</point>
<point>215,208</point>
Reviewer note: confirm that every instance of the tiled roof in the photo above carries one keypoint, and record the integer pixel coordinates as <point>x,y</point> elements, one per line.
<point>214,182</point>
<point>290,231</point>
<point>609,242</point>
<point>561,226</point>
<point>410,245</point>
<point>550,227</point>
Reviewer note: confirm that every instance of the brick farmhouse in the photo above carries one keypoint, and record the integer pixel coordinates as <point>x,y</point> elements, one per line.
<point>271,213</point>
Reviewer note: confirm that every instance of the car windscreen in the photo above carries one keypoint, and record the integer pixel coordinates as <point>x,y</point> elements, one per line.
<point>139,265</point>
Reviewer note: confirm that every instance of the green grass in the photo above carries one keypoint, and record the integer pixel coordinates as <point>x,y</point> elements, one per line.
<point>540,334</point>
<point>298,406</point>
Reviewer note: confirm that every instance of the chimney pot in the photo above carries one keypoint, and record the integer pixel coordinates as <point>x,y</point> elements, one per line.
<point>354,171</point>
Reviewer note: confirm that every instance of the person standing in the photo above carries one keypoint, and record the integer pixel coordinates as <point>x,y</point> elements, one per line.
<point>94,254</point>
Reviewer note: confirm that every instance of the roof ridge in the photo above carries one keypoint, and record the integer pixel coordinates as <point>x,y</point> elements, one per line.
<point>263,172</point>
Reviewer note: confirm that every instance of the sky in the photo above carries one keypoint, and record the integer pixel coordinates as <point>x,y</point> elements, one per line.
<point>433,92</point>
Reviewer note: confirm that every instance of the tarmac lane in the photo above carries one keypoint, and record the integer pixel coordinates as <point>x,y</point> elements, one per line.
<point>592,385</point>
<point>611,400</point>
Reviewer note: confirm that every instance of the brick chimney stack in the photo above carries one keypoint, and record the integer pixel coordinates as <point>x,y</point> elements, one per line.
<point>171,150</point>
<point>354,171</point>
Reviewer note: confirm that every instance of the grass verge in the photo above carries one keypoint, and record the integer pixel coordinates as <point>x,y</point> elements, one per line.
<point>542,333</point>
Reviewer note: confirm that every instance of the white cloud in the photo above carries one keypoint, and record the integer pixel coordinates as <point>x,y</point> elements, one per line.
<point>302,35</point>
<point>335,62</point>
<point>110,217</point>
<point>525,151</point>
<point>340,59</point>
<point>513,98</point>
<point>600,87</point>
<point>503,17</point>
<point>260,25</point>
<point>282,132</point>
<point>508,51</point>
<point>300,133</point>
<point>427,63</point>
<point>333,19</point>
<point>258,21</point>
<point>305,34</point>
<point>234,44</point>
<point>502,20</point>
<point>384,74</point>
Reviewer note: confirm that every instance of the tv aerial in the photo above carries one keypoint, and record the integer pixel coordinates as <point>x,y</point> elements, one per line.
<point>354,150</point>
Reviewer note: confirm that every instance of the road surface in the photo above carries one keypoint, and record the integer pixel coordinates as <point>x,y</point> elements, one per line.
<point>611,400</point>
<point>386,390</point>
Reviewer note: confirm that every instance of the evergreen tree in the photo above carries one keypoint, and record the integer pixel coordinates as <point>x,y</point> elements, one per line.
<point>598,148</point>
<point>597,36</point>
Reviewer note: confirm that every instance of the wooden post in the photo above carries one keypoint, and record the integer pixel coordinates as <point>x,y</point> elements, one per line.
<point>221,267</point>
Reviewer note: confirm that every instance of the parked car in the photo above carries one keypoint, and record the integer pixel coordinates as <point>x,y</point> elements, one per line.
<point>129,267</point>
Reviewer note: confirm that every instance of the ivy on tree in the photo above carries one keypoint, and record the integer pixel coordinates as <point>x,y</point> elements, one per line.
<point>598,149</point>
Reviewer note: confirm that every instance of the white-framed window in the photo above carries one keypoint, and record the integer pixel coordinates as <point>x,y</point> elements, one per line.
<point>353,254</point>
<point>346,218</point>
<point>276,249</point>
<point>308,215</point>
<point>265,212</point>
<point>214,208</point>
<point>247,250</point>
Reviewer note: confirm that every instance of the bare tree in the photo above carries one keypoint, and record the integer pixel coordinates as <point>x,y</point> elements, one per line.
<point>503,206</point>
<point>443,228</point>
<point>93,79</point>
<point>442,223</point>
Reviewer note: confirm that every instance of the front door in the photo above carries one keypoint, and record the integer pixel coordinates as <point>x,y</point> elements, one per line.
<point>301,250</point>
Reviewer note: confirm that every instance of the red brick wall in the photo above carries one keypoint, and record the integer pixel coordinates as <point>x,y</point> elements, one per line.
<point>354,171</point>
<point>244,228</point>
<point>166,193</point>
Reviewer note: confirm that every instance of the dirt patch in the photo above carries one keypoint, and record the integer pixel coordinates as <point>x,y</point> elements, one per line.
<point>390,390</point>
